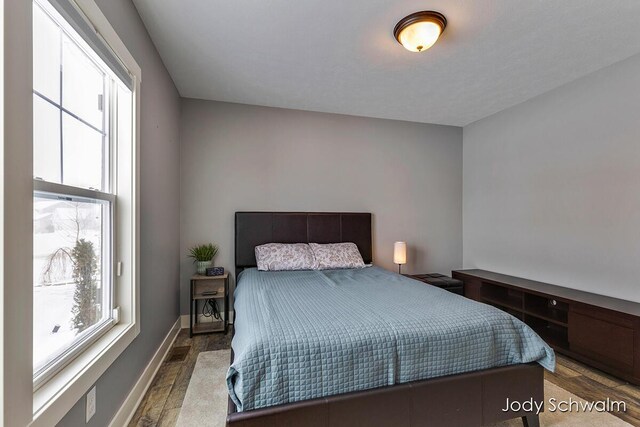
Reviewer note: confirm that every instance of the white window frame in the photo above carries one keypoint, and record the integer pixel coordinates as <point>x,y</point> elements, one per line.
<point>55,397</point>
<point>109,134</point>
<point>93,333</point>
<point>2,219</point>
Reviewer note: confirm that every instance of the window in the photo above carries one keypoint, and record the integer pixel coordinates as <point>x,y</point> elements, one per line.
<point>82,117</point>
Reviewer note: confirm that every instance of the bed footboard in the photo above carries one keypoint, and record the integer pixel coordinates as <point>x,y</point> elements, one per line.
<point>470,399</point>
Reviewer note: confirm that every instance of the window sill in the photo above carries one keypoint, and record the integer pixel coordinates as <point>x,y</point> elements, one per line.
<point>59,394</point>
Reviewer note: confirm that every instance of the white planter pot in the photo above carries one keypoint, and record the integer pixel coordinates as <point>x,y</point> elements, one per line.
<point>202,266</point>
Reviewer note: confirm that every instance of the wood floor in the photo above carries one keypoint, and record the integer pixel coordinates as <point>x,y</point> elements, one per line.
<point>161,405</point>
<point>593,385</point>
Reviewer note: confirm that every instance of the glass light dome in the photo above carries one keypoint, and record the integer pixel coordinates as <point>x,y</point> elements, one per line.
<point>419,31</point>
<point>420,36</point>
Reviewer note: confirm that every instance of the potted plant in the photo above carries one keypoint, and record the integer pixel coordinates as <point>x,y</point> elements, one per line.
<point>203,256</point>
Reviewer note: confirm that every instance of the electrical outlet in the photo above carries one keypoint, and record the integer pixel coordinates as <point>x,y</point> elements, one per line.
<point>91,403</point>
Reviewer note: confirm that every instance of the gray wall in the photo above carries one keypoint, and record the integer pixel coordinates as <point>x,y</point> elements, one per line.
<point>239,157</point>
<point>159,218</point>
<point>552,186</point>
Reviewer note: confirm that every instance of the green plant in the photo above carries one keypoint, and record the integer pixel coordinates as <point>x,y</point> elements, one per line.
<point>204,252</point>
<point>85,310</point>
<point>87,299</point>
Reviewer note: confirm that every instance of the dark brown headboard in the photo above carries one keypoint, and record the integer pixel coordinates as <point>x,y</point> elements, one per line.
<point>258,228</point>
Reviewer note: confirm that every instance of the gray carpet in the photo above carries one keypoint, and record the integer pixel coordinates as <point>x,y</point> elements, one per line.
<point>205,404</point>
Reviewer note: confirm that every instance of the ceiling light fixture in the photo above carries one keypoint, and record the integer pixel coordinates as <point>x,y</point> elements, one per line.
<point>419,31</point>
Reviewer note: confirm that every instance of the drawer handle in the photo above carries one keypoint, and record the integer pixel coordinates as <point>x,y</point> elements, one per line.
<point>207,293</point>
<point>553,302</point>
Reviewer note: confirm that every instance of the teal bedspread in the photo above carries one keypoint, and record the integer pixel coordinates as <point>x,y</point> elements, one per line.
<point>305,334</point>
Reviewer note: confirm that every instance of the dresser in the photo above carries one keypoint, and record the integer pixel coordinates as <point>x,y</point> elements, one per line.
<point>600,331</point>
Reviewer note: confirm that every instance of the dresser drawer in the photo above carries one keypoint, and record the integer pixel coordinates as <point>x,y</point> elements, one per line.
<point>602,340</point>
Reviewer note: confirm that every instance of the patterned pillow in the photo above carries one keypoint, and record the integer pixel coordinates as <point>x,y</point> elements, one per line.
<point>336,255</point>
<point>285,256</point>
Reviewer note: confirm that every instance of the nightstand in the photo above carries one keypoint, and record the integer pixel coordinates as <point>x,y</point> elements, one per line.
<point>440,280</point>
<point>205,289</point>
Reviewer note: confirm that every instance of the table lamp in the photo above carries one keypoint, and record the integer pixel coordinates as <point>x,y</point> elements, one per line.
<point>400,254</point>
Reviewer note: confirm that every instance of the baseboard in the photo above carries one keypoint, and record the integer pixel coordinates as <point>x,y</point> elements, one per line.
<point>131,403</point>
<point>184,319</point>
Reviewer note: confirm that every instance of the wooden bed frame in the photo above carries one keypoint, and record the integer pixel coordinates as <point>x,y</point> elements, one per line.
<point>470,399</point>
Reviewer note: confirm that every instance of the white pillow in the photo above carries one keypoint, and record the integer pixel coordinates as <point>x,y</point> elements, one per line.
<point>285,256</point>
<point>336,255</point>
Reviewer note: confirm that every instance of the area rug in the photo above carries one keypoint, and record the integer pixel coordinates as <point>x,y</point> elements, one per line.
<point>205,403</point>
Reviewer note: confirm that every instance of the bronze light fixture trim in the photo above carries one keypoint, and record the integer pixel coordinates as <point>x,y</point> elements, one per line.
<point>419,31</point>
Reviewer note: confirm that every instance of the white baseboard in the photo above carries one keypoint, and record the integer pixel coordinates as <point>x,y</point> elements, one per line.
<point>184,319</point>
<point>131,403</point>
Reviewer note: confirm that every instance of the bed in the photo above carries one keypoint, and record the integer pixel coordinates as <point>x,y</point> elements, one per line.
<point>366,346</point>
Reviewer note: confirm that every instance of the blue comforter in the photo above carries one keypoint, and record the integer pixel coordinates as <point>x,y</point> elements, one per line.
<point>305,334</point>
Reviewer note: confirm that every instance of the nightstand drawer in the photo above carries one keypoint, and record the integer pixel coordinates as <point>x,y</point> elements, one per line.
<point>208,289</point>
<point>441,281</point>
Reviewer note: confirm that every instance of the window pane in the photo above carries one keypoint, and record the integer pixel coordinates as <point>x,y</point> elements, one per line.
<point>82,84</point>
<point>46,55</point>
<point>82,154</point>
<point>69,297</point>
<point>46,140</point>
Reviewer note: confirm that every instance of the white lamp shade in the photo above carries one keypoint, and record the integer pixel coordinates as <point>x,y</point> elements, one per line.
<point>400,253</point>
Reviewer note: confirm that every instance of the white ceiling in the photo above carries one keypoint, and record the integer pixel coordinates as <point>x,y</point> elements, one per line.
<point>340,56</point>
